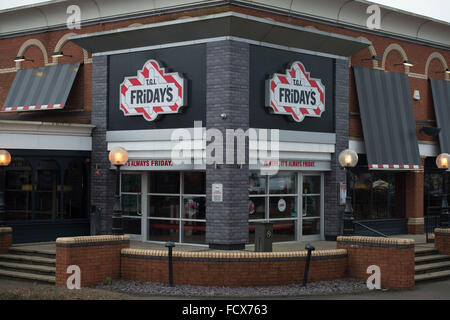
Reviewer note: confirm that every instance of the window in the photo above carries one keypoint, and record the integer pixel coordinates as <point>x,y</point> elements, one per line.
<point>75,191</point>
<point>18,190</point>
<point>378,195</point>
<point>176,206</point>
<point>47,190</point>
<point>131,203</point>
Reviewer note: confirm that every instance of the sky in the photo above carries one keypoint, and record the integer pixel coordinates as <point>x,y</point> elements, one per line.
<point>437,9</point>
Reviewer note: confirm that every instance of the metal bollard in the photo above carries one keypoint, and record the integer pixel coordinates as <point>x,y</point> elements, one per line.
<point>170,245</point>
<point>310,248</point>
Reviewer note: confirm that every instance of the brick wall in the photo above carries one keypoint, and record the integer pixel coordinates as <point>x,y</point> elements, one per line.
<point>233,268</point>
<point>442,240</point>
<point>97,256</point>
<point>5,239</point>
<point>395,257</point>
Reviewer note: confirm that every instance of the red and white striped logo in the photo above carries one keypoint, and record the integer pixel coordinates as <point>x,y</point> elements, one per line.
<point>152,92</point>
<point>295,93</point>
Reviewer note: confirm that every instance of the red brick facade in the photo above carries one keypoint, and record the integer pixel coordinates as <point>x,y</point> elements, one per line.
<point>395,257</point>
<point>442,240</point>
<point>5,239</point>
<point>233,269</point>
<point>98,258</point>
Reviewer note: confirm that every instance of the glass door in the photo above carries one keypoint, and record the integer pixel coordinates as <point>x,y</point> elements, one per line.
<point>131,194</point>
<point>312,207</point>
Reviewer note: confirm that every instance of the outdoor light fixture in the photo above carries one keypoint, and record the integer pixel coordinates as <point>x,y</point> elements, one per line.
<point>377,58</point>
<point>447,71</point>
<point>430,131</point>
<point>22,58</point>
<point>59,54</point>
<point>408,63</point>
<point>5,159</point>
<point>443,162</point>
<point>118,156</point>
<point>348,159</point>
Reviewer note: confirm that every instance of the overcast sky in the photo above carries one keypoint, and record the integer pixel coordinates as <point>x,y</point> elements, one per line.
<point>438,9</point>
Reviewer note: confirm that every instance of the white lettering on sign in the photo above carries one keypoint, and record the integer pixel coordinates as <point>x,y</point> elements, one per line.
<point>295,93</point>
<point>152,92</point>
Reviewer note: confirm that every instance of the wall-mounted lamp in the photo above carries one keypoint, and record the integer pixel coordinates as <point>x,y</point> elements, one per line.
<point>59,54</point>
<point>447,71</point>
<point>22,58</point>
<point>376,58</point>
<point>406,63</point>
<point>430,131</point>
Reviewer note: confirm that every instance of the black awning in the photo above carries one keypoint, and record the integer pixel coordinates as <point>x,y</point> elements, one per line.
<point>227,24</point>
<point>43,88</point>
<point>387,119</point>
<point>441,99</point>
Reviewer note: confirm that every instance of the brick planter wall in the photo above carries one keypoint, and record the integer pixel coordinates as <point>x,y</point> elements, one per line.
<point>5,239</point>
<point>97,256</point>
<point>442,240</point>
<point>395,257</point>
<point>233,269</point>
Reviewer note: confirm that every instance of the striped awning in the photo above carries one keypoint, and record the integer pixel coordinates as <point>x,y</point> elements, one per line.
<point>387,120</point>
<point>441,100</point>
<point>43,88</point>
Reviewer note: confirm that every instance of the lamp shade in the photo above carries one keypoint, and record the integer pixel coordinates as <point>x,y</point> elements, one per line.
<point>443,161</point>
<point>118,156</point>
<point>5,158</point>
<point>348,158</point>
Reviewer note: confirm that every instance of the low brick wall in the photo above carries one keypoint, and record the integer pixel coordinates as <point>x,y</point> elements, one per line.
<point>97,256</point>
<point>5,239</point>
<point>442,240</point>
<point>395,257</point>
<point>233,269</point>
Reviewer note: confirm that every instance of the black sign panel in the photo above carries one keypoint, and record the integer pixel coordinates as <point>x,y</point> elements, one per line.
<point>264,62</point>
<point>188,61</point>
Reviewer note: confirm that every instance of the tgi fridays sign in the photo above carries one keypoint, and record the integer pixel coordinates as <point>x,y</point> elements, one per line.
<point>152,92</point>
<point>295,93</point>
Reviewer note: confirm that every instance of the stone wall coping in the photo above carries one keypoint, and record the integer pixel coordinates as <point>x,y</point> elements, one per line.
<point>442,231</point>
<point>233,254</point>
<point>375,240</point>
<point>91,239</point>
<point>6,230</point>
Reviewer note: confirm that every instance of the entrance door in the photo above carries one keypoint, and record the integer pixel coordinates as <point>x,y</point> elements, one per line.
<point>312,206</point>
<point>131,191</point>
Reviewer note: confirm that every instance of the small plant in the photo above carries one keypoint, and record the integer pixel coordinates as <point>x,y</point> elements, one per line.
<point>107,281</point>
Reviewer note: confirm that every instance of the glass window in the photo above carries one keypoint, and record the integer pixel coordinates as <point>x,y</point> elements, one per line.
<point>164,182</point>
<point>194,183</point>
<point>163,230</point>
<point>283,183</point>
<point>282,207</point>
<point>257,208</point>
<point>194,232</point>
<point>131,225</point>
<point>284,230</point>
<point>311,184</point>
<point>194,207</point>
<point>18,189</point>
<point>378,195</point>
<point>131,182</point>
<point>256,183</point>
<point>164,206</point>
<point>48,186</point>
<point>311,226</point>
<point>311,206</point>
<point>75,191</point>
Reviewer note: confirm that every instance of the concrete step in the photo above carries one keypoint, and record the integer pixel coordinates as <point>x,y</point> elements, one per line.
<point>28,268</point>
<point>432,267</point>
<point>9,274</point>
<point>15,258</point>
<point>419,252</point>
<point>32,252</point>
<point>432,276</point>
<point>431,259</point>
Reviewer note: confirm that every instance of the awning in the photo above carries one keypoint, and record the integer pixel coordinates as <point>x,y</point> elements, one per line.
<point>387,119</point>
<point>43,88</point>
<point>228,24</point>
<point>441,99</point>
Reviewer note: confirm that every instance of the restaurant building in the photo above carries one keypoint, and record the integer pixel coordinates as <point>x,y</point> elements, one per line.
<point>309,78</point>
